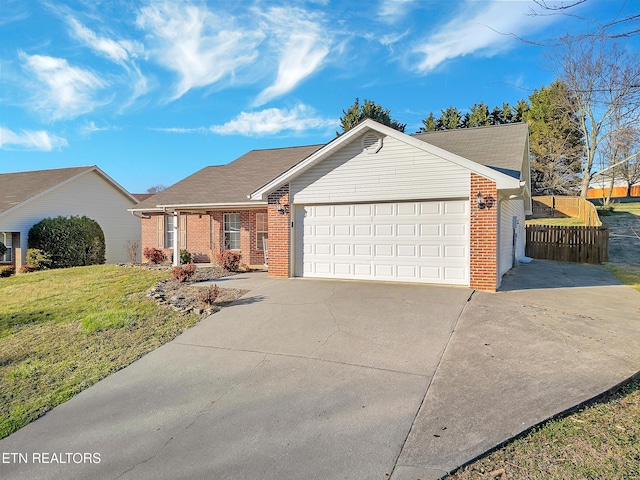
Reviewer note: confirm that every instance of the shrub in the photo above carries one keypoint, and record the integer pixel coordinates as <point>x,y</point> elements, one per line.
<point>229,260</point>
<point>154,255</point>
<point>39,259</point>
<point>185,256</point>
<point>28,268</point>
<point>70,241</point>
<point>132,247</point>
<point>182,274</point>
<point>208,296</point>
<point>3,249</point>
<point>7,271</point>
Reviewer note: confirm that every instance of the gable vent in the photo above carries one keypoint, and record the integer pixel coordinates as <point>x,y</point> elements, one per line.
<point>371,143</point>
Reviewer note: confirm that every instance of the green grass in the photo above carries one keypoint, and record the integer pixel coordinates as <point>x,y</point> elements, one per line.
<point>563,221</point>
<point>63,330</point>
<point>627,274</point>
<point>598,441</point>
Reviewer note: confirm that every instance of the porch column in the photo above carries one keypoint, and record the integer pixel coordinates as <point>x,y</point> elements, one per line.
<point>176,239</point>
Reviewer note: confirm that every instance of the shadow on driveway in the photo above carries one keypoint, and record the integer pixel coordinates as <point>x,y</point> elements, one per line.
<point>541,274</point>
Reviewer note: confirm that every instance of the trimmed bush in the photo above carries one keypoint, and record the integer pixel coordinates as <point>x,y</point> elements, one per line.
<point>154,255</point>
<point>7,271</point>
<point>208,295</point>
<point>229,260</point>
<point>182,274</point>
<point>28,268</point>
<point>69,241</point>
<point>38,259</point>
<point>185,256</point>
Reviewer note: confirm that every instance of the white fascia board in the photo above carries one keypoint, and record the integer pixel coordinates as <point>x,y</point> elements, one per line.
<point>199,206</point>
<point>502,181</point>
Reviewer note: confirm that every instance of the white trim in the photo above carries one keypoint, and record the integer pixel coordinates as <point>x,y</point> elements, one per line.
<point>502,181</point>
<point>200,206</point>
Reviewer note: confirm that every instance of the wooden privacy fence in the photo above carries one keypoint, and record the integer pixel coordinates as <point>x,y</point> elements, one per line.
<point>568,244</point>
<point>556,206</point>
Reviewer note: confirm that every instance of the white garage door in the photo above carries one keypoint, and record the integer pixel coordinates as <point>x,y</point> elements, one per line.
<point>410,241</point>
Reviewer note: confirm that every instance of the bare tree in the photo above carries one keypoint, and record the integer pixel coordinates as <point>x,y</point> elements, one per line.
<point>156,188</point>
<point>603,86</point>
<point>621,22</point>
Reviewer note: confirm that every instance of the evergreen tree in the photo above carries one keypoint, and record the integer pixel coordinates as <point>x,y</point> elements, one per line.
<point>369,109</point>
<point>450,119</point>
<point>478,116</point>
<point>429,124</point>
<point>556,145</point>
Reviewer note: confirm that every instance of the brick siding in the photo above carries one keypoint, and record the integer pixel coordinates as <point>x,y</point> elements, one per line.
<point>204,237</point>
<point>279,233</point>
<point>483,235</point>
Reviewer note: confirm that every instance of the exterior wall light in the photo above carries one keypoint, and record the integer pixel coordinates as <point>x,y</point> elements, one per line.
<point>482,204</point>
<point>282,209</point>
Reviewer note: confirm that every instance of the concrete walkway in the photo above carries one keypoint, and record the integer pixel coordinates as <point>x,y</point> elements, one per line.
<point>348,380</point>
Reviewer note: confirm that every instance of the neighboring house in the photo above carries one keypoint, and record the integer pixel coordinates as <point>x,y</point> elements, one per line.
<point>28,197</point>
<point>375,204</point>
<point>600,187</point>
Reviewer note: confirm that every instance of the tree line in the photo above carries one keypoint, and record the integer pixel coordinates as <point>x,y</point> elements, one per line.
<point>585,124</point>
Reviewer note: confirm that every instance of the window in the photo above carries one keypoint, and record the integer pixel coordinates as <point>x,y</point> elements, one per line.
<point>232,231</point>
<point>5,238</point>
<point>169,231</point>
<point>261,230</point>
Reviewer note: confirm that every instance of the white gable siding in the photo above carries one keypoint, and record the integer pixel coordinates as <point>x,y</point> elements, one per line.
<point>88,195</point>
<point>397,172</point>
<point>508,210</point>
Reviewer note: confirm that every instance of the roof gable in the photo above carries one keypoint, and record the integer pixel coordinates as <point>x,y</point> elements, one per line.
<point>503,180</point>
<point>19,188</point>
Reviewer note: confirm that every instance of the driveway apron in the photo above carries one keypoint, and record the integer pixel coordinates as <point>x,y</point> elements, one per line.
<point>298,379</point>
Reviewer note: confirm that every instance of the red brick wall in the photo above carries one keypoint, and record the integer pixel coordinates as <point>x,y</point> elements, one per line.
<point>198,237</point>
<point>279,233</point>
<point>248,248</point>
<point>483,235</point>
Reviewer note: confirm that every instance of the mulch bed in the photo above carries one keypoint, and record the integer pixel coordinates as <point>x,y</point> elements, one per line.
<point>186,296</point>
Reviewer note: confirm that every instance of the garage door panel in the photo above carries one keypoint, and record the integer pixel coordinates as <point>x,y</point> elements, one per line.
<point>407,241</point>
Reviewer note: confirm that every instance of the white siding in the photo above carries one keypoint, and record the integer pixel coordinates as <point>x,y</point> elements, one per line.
<point>397,172</point>
<point>88,195</point>
<point>508,210</point>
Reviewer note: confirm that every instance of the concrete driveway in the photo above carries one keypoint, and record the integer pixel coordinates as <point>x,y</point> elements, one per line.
<point>299,379</point>
<point>348,380</point>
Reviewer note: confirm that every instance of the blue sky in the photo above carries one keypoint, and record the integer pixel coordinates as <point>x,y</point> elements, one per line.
<point>153,91</point>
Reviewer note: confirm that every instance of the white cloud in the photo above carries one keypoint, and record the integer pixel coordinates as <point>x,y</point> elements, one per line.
<point>475,30</point>
<point>202,48</point>
<point>181,130</point>
<point>302,45</point>
<point>30,140</point>
<point>274,120</point>
<point>122,52</point>
<point>391,11</point>
<point>91,127</point>
<point>62,91</point>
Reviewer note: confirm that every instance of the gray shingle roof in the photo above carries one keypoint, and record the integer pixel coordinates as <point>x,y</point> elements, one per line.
<point>499,147</point>
<point>230,183</point>
<point>19,187</point>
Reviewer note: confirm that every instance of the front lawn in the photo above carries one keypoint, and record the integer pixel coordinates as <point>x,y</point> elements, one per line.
<point>63,330</point>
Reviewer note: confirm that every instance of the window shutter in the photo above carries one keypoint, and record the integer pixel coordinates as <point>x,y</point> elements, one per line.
<point>161,231</point>
<point>183,231</point>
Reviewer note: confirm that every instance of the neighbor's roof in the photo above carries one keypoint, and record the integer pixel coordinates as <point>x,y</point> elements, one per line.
<point>230,183</point>
<point>17,188</point>
<point>501,147</point>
